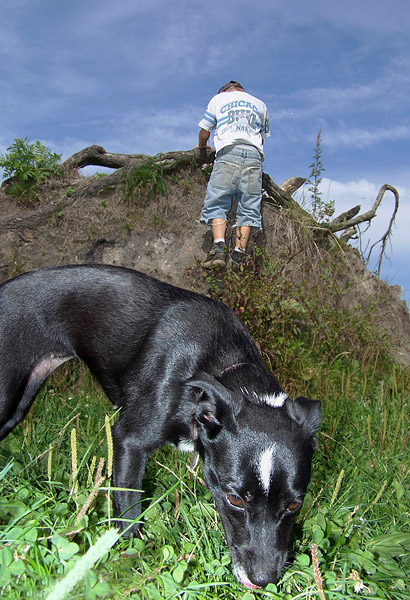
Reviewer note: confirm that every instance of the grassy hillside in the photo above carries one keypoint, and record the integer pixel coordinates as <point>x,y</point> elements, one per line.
<point>352,538</point>
<point>325,326</point>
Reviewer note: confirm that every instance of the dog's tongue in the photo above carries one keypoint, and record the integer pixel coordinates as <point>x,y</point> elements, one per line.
<point>247,582</point>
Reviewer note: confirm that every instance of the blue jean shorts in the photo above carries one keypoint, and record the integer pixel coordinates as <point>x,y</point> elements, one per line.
<point>236,172</point>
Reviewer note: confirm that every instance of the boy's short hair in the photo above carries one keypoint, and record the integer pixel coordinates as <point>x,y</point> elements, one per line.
<point>230,84</point>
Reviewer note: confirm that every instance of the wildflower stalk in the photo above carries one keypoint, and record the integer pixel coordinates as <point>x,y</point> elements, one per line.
<point>110,449</point>
<point>49,461</point>
<point>316,573</point>
<point>98,481</point>
<point>337,487</point>
<point>74,461</point>
<point>377,498</point>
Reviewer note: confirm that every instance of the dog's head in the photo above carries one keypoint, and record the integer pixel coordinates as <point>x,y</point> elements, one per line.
<point>257,452</point>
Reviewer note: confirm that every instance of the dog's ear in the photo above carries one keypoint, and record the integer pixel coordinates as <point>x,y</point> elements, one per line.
<point>306,413</point>
<point>213,408</point>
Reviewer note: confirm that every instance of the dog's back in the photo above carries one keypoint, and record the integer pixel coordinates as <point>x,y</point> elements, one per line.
<point>109,317</point>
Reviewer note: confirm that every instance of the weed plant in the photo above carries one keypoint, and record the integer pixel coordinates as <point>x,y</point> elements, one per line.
<point>351,540</point>
<point>28,165</point>
<point>320,209</point>
<point>144,182</point>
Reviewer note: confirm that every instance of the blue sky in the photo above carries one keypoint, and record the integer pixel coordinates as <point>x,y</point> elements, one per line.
<point>135,76</point>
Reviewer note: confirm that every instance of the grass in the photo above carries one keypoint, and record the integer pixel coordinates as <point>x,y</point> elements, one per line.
<point>351,540</point>
<point>144,182</point>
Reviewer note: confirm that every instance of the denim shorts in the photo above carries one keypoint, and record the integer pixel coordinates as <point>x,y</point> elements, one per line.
<point>236,172</point>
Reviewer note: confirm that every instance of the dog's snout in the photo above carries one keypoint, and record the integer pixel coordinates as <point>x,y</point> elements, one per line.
<point>262,565</point>
<point>254,577</point>
<point>261,577</point>
<point>262,581</point>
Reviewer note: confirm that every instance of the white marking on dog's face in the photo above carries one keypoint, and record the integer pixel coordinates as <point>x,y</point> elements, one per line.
<point>265,468</point>
<point>275,400</point>
<point>185,445</point>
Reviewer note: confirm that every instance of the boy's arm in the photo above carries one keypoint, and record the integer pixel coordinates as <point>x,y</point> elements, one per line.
<point>203,138</point>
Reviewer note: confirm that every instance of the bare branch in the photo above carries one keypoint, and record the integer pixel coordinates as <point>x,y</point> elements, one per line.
<point>367,216</point>
<point>348,234</point>
<point>348,222</point>
<point>290,186</point>
<point>98,156</point>
<point>344,217</point>
<point>273,193</point>
<point>385,238</point>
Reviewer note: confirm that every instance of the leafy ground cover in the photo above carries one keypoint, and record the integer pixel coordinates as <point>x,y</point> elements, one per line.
<point>351,540</point>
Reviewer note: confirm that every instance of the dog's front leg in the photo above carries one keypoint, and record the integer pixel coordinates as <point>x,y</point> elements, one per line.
<point>128,469</point>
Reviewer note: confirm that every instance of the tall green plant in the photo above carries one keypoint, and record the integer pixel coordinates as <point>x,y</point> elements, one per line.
<point>321,210</point>
<point>28,164</point>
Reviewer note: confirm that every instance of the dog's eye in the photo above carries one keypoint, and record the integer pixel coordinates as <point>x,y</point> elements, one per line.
<point>234,501</point>
<point>294,505</point>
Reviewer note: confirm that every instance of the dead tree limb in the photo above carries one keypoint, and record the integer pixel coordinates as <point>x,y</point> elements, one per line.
<point>348,223</point>
<point>169,161</point>
<point>344,217</point>
<point>280,196</point>
<point>98,156</point>
<point>385,238</point>
<point>290,186</point>
<point>340,224</point>
<point>124,163</point>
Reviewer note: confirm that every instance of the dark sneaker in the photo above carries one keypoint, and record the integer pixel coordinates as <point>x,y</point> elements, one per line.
<point>237,258</point>
<point>216,256</point>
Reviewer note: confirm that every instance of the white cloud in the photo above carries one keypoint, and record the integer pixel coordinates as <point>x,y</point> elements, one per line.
<point>346,194</point>
<point>139,132</point>
<point>362,137</point>
<point>161,130</point>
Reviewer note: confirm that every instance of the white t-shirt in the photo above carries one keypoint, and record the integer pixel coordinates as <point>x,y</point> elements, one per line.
<point>237,118</point>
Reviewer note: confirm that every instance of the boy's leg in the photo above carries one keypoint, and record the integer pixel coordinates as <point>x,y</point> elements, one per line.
<point>243,233</point>
<point>218,229</point>
<point>248,213</point>
<point>216,257</point>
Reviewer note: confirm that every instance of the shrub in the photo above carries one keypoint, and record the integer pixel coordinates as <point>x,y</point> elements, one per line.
<point>28,164</point>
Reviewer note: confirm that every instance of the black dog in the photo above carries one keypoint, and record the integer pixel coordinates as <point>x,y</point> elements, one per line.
<point>184,371</point>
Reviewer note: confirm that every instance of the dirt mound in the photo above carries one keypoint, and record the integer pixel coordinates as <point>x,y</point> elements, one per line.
<point>162,237</point>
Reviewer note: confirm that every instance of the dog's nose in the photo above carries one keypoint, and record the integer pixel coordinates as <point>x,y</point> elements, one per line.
<point>261,579</point>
